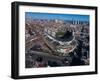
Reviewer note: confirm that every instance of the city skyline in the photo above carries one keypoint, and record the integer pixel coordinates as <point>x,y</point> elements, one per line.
<point>53,40</point>
<point>36,15</point>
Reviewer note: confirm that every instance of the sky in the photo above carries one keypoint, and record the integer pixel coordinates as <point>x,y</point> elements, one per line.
<point>36,15</point>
